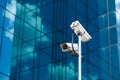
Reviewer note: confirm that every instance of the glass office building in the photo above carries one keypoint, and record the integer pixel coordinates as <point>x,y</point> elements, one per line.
<point>41,25</point>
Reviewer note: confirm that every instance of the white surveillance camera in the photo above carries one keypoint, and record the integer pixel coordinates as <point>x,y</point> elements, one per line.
<point>80,31</point>
<point>67,47</point>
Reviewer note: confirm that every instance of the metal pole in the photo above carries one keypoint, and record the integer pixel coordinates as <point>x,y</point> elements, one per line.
<point>79,59</point>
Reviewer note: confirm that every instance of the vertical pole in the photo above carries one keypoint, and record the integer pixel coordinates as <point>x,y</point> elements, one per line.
<point>79,59</point>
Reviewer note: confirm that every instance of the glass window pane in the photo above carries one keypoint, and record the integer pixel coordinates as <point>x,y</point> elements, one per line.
<point>1,17</point>
<point>92,6</point>
<point>29,32</point>
<point>3,3</point>
<point>30,18</point>
<point>115,57</point>
<point>113,35</point>
<point>0,35</point>
<point>92,43</point>
<point>92,26</point>
<point>27,61</point>
<point>45,42</point>
<point>44,27</point>
<point>111,5</point>
<point>27,48</point>
<point>14,51</point>
<point>13,66</point>
<point>44,13</point>
<point>36,74</point>
<point>102,23</point>
<point>44,58</point>
<point>93,72</point>
<point>20,10</point>
<point>71,15</point>
<point>112,19</point>
<point>26,75</point>
<point>45,72</point>
<point>114,61</point>
<point>102,7</point>
<point>103,36</point>
<point>118,32</point>
<point>96,56</point>
<point>91,14</point>
<point>9,22</point>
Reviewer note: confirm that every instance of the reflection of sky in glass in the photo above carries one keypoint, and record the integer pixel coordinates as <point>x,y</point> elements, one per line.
<point>118,11</point>
<point>56,70</point>
<point>9,24</point>
<point>45,41</point>
<point>7,38</point>
<point>118,23</point>
<point>118,16</point>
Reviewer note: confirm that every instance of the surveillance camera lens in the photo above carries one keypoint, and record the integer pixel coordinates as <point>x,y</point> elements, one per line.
<point>65,46</point>
<point>78,34</point>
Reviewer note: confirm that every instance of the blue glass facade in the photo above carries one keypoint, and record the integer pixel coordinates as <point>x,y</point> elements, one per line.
<point>40,27</point>
<point>6,36</point>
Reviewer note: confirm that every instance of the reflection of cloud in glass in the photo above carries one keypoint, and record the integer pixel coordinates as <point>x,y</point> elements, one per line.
<point>30,17</point>
<point>118,16</point>
<point>26,57</point>
<point>7,45</point>
<point>29,34</point>
<point>65,70</point>
<point>118,22</point>
<point>29,31</point>
<point>9,35</point>
<point>60,70</point>
<point>117,4</point>
<point>11,18</point>
<point>12,8</point>
<point>118,10</point>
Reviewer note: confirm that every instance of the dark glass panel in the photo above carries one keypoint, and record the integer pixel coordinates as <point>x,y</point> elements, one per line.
<point>112,19</point>
<point>113,35</point>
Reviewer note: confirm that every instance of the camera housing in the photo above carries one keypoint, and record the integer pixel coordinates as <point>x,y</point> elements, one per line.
<point>80,31</point>
<point>67,47</point>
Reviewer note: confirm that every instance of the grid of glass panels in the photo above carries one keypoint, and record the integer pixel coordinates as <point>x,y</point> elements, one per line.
<point>40,26</point>
<point>7,17</point>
